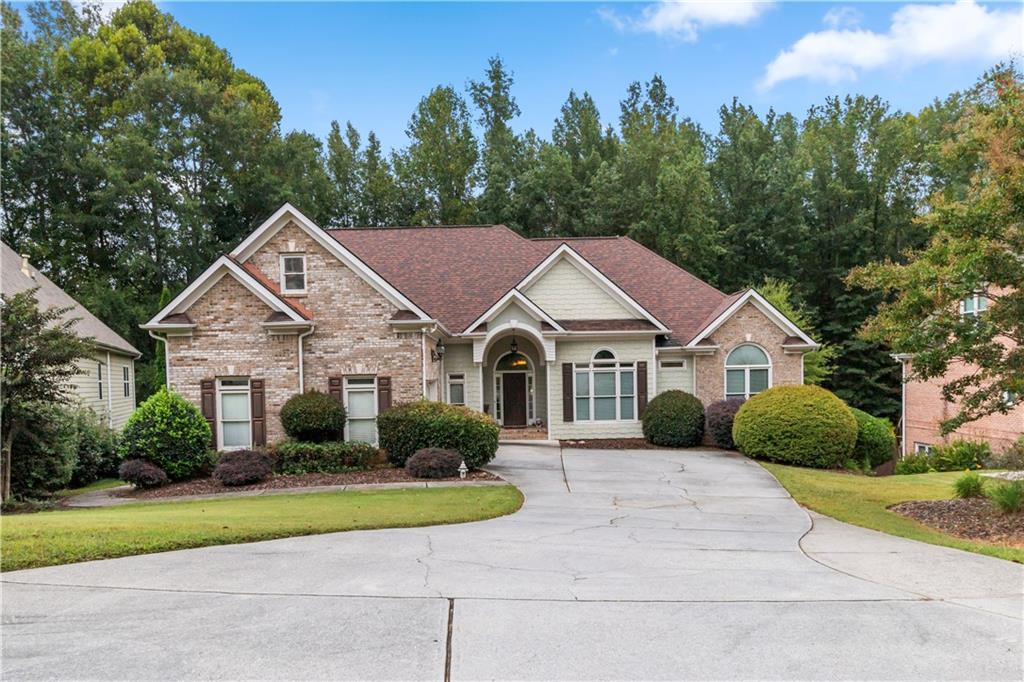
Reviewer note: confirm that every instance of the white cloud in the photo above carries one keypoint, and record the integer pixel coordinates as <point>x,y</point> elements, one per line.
<point>685,19</point>
<point>842,17</point>
<point>917,34</point>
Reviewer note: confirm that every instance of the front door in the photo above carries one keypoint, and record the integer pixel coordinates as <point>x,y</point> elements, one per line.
<point>513,398</point>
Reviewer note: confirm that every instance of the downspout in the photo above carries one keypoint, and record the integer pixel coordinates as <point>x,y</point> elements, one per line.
<point>903,408</point>
<point>167,358</point>
<point>302,370</point>
<point>110,395</point>
<point>423,362</point>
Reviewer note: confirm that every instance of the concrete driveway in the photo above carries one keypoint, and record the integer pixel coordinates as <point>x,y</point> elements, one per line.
<point>621,565</point>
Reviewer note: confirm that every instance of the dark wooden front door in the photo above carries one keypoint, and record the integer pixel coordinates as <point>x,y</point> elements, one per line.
<point>513,399</point>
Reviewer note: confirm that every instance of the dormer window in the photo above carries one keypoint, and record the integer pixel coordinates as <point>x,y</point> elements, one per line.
<point>293,273</point>
<point>975,304</point>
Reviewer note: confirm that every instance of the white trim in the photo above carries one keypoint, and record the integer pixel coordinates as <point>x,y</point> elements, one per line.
<point>287,212</point>
<point>235,390</point>
<point>616,368</point>
<point>360,388</point>
<point>746,371</point>
<point>448,386</point>
<point>305,274</point>
<point>548,369</point>
<point>652,374</point>
<point>110,394</point>
<point>595,275</point>
<point>762,304</point>
<point>546,347</point>
<point>505,301</point>
<point>530,371</point>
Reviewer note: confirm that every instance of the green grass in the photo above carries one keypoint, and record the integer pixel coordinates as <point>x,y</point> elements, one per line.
<point>62,537</point>
<point>101,484</point>
<point>863,501</point>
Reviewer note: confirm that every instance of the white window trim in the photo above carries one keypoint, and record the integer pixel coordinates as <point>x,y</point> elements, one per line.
<point>305,274</point>
<point>746,373</point>
<point>360,388</point>
<point>221,390</point>
<point>460,381</point>
<point>126,381</point>
<point>922,449</point>
<point>976,299</point>
<point>499,398</point>
<point>99,379</point>
<point>606,365</point>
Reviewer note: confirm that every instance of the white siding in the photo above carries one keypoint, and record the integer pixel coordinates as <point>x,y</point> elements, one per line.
<point>112,405</point>
<point>513,311</point>
<point>565,293</point>
<point>675,378</point>
<point>459,358</point>
<point>123,405</point>
<point>581,352</point>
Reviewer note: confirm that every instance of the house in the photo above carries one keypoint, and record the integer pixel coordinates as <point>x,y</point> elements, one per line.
<point>924,408</point>
<point>106,382</point>
<point>573,334</point>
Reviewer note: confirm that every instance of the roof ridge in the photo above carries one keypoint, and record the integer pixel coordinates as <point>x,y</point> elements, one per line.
<point>413,227</point>
<point>570,239</point>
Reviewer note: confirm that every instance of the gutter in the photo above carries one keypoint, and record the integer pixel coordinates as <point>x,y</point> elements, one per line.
<point>302,369</point>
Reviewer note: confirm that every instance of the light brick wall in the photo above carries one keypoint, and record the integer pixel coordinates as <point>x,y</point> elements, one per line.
<point>747,325</point>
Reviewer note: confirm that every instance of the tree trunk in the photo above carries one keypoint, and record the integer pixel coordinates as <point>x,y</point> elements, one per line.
<point>5,464</point>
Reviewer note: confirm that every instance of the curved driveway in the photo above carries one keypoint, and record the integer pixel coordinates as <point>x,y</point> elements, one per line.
<point>621,565</point>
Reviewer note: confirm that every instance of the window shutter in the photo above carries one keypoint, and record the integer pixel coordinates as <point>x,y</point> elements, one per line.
<point>259,420</point>
<point>641,388</point>
<point>334,386</point>
<point>567,405</point>
<point>383,394</point>
<point>208,393</point>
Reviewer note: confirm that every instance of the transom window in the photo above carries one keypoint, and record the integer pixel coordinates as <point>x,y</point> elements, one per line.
<point>361,407</point>
<point>748,371</point>
<point>513,362</point>
<point>457,389</point>
<point>974,305</point>
<point>293,273</point>
<point>234,418</point>
<point>605,390</point>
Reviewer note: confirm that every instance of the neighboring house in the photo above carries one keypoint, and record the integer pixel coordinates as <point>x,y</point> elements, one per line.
<point>107,379</point>
<point>924,408</point>
<point>576,334</point>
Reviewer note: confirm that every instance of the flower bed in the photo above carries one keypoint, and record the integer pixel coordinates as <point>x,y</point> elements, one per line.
<point>973,519</point>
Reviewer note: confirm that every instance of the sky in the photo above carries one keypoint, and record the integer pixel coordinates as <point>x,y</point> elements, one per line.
<point>370,63</point>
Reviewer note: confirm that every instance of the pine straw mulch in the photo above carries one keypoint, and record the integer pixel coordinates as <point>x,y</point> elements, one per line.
<point>208,486</point>
<point>971,519</point>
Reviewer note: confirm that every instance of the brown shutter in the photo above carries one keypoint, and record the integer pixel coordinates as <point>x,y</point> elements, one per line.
<point>641,388</point>
<point>208,391</point>
<point>259,421</point>
<point>334,385</point>
<point>383,394</point>
<point>567,380</point>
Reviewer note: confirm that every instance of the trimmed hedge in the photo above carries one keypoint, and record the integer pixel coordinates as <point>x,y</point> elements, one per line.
<point>434,463</point>
<point>313,417</point>
<point>674,419</point>
<point>876,439</point>
<point>241,467</point>
<point>170,432</point>
<point>718,419</point>
<point>141,474</point>
<point>297,457</point>
<point>404,429</point>
<point>802,425</point>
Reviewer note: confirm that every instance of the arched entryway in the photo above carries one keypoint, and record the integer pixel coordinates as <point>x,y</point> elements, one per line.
<point>514,389</point>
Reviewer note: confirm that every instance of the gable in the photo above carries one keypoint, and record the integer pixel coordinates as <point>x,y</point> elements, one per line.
<point>566,293</point>
<point>755,309</point>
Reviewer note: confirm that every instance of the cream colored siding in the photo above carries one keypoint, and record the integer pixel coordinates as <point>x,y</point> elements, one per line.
<point>112,405</point>
<point>527,348</point>
<point>122,405</point>
<point>580,352</point>
<point>85,384</point>
<point>514,312</point>
<point>565,293</point>
<point>458,358</point>
<point>675,378</point>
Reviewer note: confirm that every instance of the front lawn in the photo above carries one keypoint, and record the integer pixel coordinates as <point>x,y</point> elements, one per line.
<point>863,501</point>
<point>61,537</point>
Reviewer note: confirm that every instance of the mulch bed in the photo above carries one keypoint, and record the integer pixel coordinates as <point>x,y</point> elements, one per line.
<point>207,486</point>
<point>972,519</point>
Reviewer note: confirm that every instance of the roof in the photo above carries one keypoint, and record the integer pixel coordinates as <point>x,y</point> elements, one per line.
<point>292,303</point>
<point>49,295</point>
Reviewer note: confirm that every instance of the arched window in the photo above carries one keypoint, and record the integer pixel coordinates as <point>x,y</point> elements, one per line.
<point>605,390</point>
<point>604,354</point>
<point>513,362</point>
<point>747,371</point>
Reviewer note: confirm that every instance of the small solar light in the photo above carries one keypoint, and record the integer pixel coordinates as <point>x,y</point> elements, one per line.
<point>463,469</point>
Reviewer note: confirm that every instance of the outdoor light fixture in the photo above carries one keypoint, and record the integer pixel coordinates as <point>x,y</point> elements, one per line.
<point>438,352</point>
<point>514,347</point>
<point>463,469</point>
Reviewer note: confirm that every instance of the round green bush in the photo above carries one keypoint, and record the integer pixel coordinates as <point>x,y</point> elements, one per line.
<point>674,419</point>
<point>170,432</point>
<point>876,439</point>
<point>313,417</point>
<point>802,425</point>
<point>404,429</point>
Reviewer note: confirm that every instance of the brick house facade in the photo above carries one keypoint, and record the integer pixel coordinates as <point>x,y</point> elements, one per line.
<point>384,315</point>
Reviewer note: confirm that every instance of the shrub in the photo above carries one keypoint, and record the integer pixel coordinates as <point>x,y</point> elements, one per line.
<point>296,457</point>
<point>960,455</point>
<point>404,429</point>
<point>433,463</point>
<point>1011,458</point>
<point>719,417</point>
<point>241,467</point>
<point>141,474</point>
<point>803,425</point>
<point>876,439</point>
<point>674,419</point>
<point>98,455</point>
<point>313,417</point>
<point>969,485</point>
<point>913,464</point>
<point>1008,497</point>
<point>170,432</point>
<point>43,453</point>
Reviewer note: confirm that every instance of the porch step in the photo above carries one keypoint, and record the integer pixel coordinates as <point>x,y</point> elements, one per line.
<point>529,441</point>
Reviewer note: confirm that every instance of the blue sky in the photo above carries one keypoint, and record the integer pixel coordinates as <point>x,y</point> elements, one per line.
<point>371,62</point>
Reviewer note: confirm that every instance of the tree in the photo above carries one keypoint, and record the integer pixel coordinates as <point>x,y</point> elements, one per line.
<point>500,155</point>
<point>818,364</point>
<point>976,245</point>
<point>37,358</point>
<point>343,166</point>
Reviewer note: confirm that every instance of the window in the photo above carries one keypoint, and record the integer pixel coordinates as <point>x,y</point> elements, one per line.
<point>605,390</point>
<point>126,381</point>
<point>293,274</point>
<point>361,407</point>
<point>747,372</point>
<point>457,389</point>
<point>99,379</point>
<point>1010,398</point>
<point>974,304</point>
<point>234,418</point>
<point>922,448</point>
<point>670,364</point>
